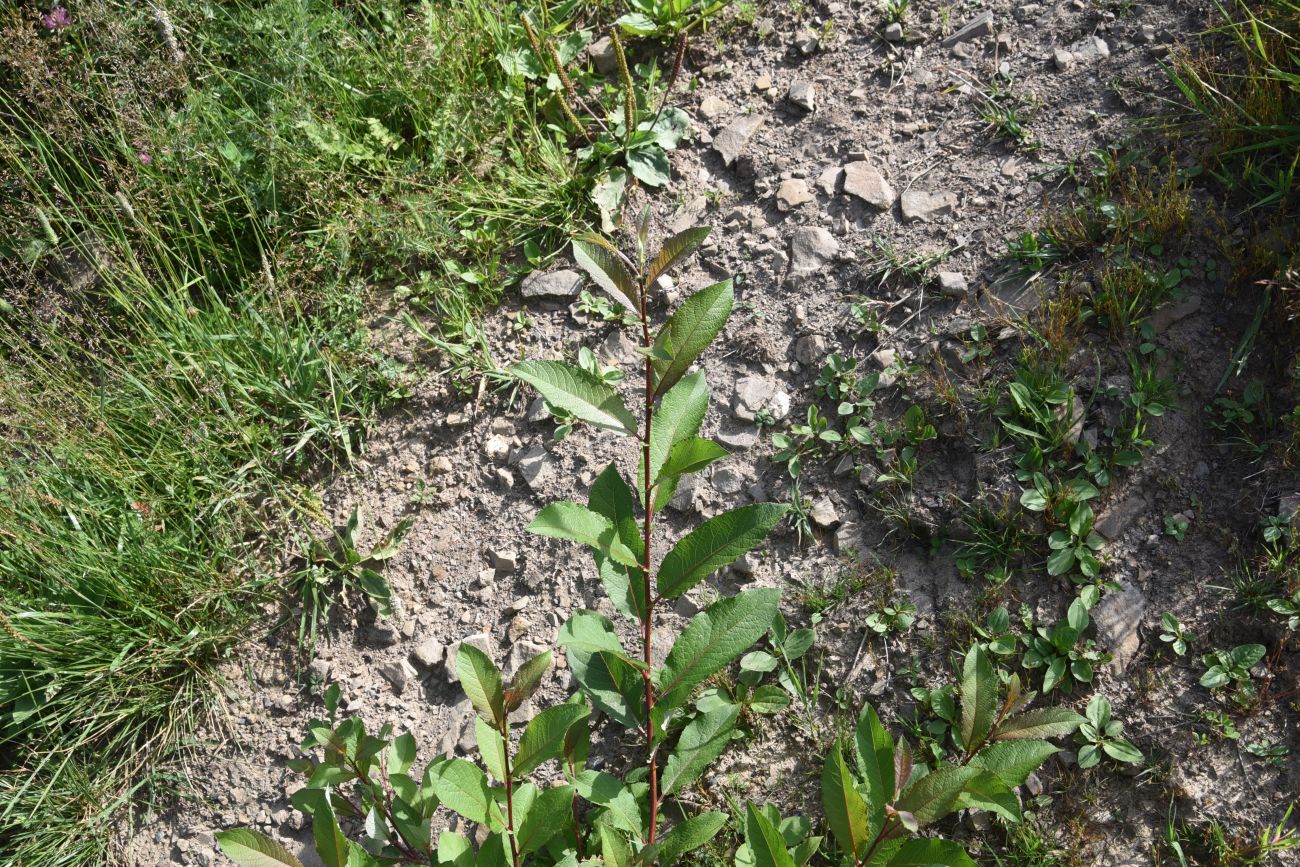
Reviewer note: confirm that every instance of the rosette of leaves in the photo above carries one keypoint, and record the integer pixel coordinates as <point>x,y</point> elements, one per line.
<point>1062,650</point>
<point>616,524</point>
<point>665,19</point>
<point>877,803</point>
<point>1101,735</point>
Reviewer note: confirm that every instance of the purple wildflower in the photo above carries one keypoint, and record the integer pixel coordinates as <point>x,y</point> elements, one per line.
<point>144,158</point>
<point>56,19</point>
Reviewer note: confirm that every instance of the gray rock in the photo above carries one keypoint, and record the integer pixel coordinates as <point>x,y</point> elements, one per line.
<point>1167,316</point>
<point>977,28</point>
<point>1117,618</point>
<point>925,205</point>
<point>603,55</point>
<point>684,499</point>
<point>1089,49</point>
<point>728,480</point>
<point>893,32</point>
<point>791,194</point>
<point>823,514</point>
<point>810,349</point>
<point>398,674</point>
<point>561,285</point>
<point>1062,59</point>
<point>829,180</point>
<point>618,348</point>
<point>319,669</point>
<point>811,247</point>
<point>504,561</point>
<point>428,653</point>
<point>497,449</point>
<point>537,411</point>
<point>711,107</point>
<point>481,640</point>
<point>1118,517</point>
<point>742,439</point>
<point>806,42</point>
<point>731,142</point>
<point>802,94</point>
<point>864,181</point>
<point>952,284</point>
<point>536,466</point>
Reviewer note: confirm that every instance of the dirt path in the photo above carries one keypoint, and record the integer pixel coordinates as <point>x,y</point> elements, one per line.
<point>818,148</point>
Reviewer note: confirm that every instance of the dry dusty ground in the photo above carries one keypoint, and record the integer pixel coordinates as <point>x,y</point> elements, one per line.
<point>474,472</point>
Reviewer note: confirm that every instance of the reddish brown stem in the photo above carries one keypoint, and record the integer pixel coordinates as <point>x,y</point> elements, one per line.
<point>510,792</point>
<point>646,562</point>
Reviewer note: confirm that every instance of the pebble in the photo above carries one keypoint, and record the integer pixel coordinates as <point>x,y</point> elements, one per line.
<point>791,194</point>
<point>536,466</point>
<point>497,448</point>
<point>952,284</point>
<point>865,182</point>
<point>728,480</point>
<point>802,94</point>
<point>481,640</point>
<point>823,514</point>
<point>811,247</point>
<point>977,28</point>
<point>504,561</point>
<point>1117,618</point>
<point>1062,59</point>
<point>925,205</point>
<point>428,653</point>
<point>731,142</point>
<point>893,32</point>
<point>561,285</point>
<point>440,466</point>
<point>398,674</point>
<point>829,180</point>
<point>711,107</point>
<point>810,349</point>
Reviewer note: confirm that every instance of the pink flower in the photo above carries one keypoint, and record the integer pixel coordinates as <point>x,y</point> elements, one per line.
<point>56,19</point>
<point>144,158</point>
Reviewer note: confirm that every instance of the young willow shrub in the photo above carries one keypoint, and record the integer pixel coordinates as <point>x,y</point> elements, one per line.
<point>366,778</point>
<point>874,808</point>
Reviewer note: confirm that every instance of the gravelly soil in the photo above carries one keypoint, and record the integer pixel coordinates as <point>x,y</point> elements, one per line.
<point>473,473</point>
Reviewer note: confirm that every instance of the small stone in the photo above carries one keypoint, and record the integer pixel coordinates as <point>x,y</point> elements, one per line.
<point>806,42</point>
<point>731,142</point>
<point>884,357</point>
<point>711,107</point>
<point>1034,784</point>
<point>398,674</point>
<point>1117,618</point>
<point>763,83</point>
<point>924,205</point>
<point>802,94</point>
<point>811,247</point>
<point>978,27</point>
<point>505,478</point>
<point>1118,517</point>
<point>1090,49</point>
<point>551,286</point>
<point>742,439</point>
<point>752,393</point>
<point>504,561</point>
<point>952,284</point>
<point>481,640</point>
<point>684,499</point>
<point>1062,59</point>
<point>829,180</point>
<point>428,653</point>
<point>893,32</point>
<point>536,466</point>
<point>1147,34</point>
<point>745,564</point>
<point>791,194</point>
<point>440,466</point>
<point>318,669</point>
<point>497,448</point>
<point>864,181</point>
<point>518,628</point>
<point>823,514</point>
<point>1167,316</point>
<point>728,480</point>
<point>603,55</point>
<point>810,349</point>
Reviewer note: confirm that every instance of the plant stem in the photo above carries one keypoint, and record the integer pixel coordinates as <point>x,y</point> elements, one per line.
<point>510,792</point>
<point>647,622</point>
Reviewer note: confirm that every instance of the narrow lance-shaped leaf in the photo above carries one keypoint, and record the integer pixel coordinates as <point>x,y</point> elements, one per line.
<point>713,638</point>
<point>610,496</point>
<point>546,817</point>
<point>700,744</point>
<point>543,739</point>
<point>482,682</point>
<point>675,249</point>
<point>714,544</point>
<point>1014,761</point>
<point>575,390</point>
<point>601,260</point>
<point>765,842</point>
<point>679,416</point>
<point>979,697</point>
<point>932,797</point>
<point>690,456</point>
<point>249,848</point>
<point>577,523</point>
<point>846,812</point>
<point>875,757</point>
<point>526,680</point>
<point>929,852</point>
<point>1043,722</point>
<point>689,331</point>
<point>686,837</point>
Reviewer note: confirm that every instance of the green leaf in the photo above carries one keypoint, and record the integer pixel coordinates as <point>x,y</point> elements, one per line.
<point>686,837</point>
<point>713,638</point>
<point>548,815</point>
<point>929,852</point>
<point>1060,562</point>
<point>613,847</point>
<point>1043,722</point>
<point>249,848</point>
<point>675,249</point>
<point>649,164</point>
<point>690,456</point>
<point>714,544</point>
<point>482,682</point>
<point>621,807</point>
<point>331,846</point>
<point>932,797</point>
<point>577,523</point>
<point>578,392</point>
<point>678,418</point>
<point>491,748</point>
<point>689,331</point>
<point>1122,751</point>
<point>463,788</point>
<point>610,496</point>
<point>986,791</point>
<point>979,697</point>
<point>543,739</point>
<point>765,842</point>
<point>700,744</point>
<point>526,680</point>
<point>601,260</point>
<point>401,753</point>
<point>455,850</point>
<point>1014,761</point>
<point>846,812</point>
<point>875,758</point>
<point>609,678</point>
<point>769,698</point>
